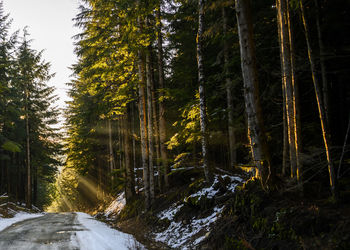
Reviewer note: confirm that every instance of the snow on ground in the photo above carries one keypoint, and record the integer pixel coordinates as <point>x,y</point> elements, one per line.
<point>210,192</point>
<point>170,212</point>
<point>235,180</point>
<point>99,236</point>
<point>178,234</point>
<point>116,206</point>
<point>4,223</point>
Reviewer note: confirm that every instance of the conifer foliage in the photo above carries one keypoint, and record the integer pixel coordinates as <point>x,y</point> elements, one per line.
<point>29,145</point>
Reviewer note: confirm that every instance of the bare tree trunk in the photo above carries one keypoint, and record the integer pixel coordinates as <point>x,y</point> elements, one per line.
<point>323,66</point>
<point>29,176</point>
<point>229,100</point>
<point>143,123</point>
<point>155,121</point>
<point>111,159</point>
<point>288,82</point>
<point>143,132</point>
<point>256,134</point>
<point>285,134</point>
<point>120,145</point>
<point>162,126</point>
<point>129,170</point>
<point>295,87</point>
<point>202,105</point>
<point>285,124</point>
<point>343,151</point>
<point>35,185</point>
<point>150,125</point>
<point>133,138</point>
<point>325,133</point>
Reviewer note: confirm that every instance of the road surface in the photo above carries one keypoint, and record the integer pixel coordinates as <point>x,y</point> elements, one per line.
<point>63,231</point>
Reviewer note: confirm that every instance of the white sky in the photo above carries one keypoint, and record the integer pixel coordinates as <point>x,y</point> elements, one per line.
<point>50,26</point>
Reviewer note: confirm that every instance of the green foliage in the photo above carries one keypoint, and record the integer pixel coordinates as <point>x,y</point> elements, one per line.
<point>25,96</point>
<point>11,146</point>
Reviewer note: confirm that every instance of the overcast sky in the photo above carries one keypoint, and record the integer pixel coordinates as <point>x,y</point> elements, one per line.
<point>50,26</point>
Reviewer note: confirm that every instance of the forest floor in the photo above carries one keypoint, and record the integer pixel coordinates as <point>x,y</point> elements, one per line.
<point>235,213</point>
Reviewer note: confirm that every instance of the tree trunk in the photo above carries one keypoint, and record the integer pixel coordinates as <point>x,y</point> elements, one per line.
<point>288,83</point>
<point>155,121</point>
<point>202,105</point>
<point>229,100</point>
<point>129,170</point>
<point>134,143</point>
<point>29,177</point>
<point>296,102</point>
<point>120,143</point>
<point>323,66</point>
<point>343,150</point>
<point>8,183</point>
<point>111,159</point>
<point>35,185</point>
<point>285,134</point>
<point>162,126</point>
<point>325,133</point>
<point>256,133</point>
<point>150,125</point>
<point>143,132</point>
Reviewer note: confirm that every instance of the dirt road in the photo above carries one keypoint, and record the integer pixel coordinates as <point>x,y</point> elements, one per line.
<point>64,231</point>
<point>50,231</point>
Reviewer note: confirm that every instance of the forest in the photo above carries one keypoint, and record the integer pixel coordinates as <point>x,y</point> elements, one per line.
<point>248,100</point>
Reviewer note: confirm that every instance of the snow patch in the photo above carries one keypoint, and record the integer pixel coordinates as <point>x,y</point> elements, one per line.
<point>116,206</point>
<point>178,234</point>
<point>6,222</point>
<point>235,180</point>
<point>96,235</point>
<point>209,192</point>
<point>170,212</point>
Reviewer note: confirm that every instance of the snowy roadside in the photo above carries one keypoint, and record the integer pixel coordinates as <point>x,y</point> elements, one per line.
<point>189,233</point>
<point>6,222</point>
<point>115,207</point>
<point>100,236</point>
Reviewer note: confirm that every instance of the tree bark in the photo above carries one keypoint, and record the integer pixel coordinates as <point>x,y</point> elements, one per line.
<point>129,170</point>
<point>325,133</point>
<point>296,102</point>
<point>29,177</point>
<point>150,125</point>
<point>256,135</point>
<point>143,132</point>
<point>288,83</point>
<point>120,143</point>
<point>229,99</point>
<point>323,65</point>
<point>343,150</point>
<point>155,121</point>
<point>202,105</point>
<point>162,126</point>
<point>285,135</point>
<point>133,138</point>
<point>111,159</point>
